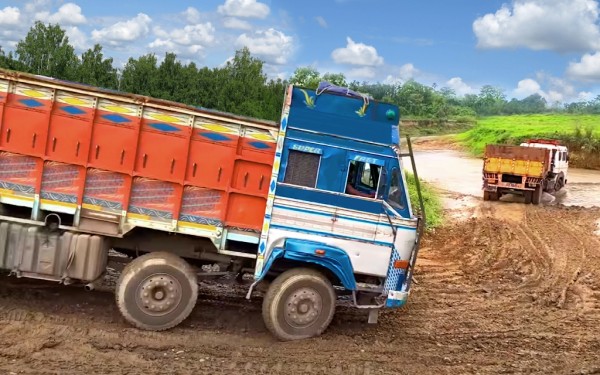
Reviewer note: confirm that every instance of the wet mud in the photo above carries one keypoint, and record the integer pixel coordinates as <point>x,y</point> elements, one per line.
<point>502,288</point>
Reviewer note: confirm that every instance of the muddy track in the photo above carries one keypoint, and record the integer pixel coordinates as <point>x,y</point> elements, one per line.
<point>509,289</point>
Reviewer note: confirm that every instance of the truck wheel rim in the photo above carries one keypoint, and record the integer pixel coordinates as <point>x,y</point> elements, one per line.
<point>159,294</point>
<point>303,307</point>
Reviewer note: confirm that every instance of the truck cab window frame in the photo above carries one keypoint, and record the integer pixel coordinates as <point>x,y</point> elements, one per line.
<point>395,195</point>
<point>361,178</point>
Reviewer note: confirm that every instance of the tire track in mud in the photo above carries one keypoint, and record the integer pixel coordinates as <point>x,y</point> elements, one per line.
<point>487,300</point>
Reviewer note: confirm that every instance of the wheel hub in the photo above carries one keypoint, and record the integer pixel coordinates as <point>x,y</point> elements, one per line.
<point>303,307</point>
<point>159,294</point>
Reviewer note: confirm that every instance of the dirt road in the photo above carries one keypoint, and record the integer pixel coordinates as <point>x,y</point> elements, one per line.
<point>503,288</point>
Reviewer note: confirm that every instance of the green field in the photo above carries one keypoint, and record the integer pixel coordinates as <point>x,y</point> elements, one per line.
<point>431,201</point>
<point>579,132</point>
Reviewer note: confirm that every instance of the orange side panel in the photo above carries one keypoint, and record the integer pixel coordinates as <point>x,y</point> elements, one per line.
<point>252,178</point>
<point>19,175</point>
<point>260,151</point>
<point>25,125</point>
<point>154,200</point>
<point>106,190</point>
<point>62,183</point>
<point>245,211</point>
<point>69,136</point>
<point>210,165</point>
<point>162,156</point>
<point>113,155</point>
<point>202,206</point>
<point>113,147</point>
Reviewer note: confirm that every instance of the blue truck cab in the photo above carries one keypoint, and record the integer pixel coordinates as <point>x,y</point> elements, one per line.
<point>339,219</point>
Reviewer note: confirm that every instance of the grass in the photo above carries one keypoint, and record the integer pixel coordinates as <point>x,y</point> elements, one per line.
<point>578,132</point>
<point>431,201</point>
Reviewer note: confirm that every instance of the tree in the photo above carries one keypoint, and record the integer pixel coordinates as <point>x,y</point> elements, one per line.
<point>46,51</point>
<point>95,70</point>
<point>139,76</point>
<point>306,77</point>
<point>337,79</point>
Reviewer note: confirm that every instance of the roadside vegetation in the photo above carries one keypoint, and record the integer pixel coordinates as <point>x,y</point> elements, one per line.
<point>241,86</point>
<point>580,133</point>
<point>431,201</point>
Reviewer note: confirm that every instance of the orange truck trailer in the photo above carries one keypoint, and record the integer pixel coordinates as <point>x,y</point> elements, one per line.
<point>529,169</point>
<point>313,207</point>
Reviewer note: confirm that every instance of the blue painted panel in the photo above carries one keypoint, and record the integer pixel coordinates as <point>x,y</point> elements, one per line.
<point>214,136</point>
<point>343,116</point>
<point>113,117</point>
<point>32,103</point>
<point>346,144</point>
<point>336,260</point>
<point>259,145</point>
<point>164,127</point>
<point>72,110</point>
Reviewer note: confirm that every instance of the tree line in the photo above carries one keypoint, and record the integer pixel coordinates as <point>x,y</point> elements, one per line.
<point>242,87</point>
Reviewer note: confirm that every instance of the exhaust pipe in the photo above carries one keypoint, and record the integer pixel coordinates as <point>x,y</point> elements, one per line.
<point>92,285</point>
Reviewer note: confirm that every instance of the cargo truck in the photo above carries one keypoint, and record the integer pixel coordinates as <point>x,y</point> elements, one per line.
<point>529,169</point>
<point>92,177</point>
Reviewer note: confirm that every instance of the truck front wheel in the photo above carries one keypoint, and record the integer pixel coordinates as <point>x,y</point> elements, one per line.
<point>299,304</point>
<point>157,291</point>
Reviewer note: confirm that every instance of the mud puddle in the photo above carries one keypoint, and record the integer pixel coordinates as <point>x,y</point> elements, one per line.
<point>455,172</point>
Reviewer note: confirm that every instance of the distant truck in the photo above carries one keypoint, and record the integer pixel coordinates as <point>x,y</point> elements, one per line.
<point>529,169</point>
<point>314,207</point>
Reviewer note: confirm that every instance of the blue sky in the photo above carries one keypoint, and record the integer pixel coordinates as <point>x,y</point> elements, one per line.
<point>550,47</point>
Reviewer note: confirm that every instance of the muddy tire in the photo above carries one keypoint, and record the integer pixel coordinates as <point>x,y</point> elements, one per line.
<point>528,196</point>
<point>299,304</point>
<point>156,291</point>
<point>486,195</point>
<point>537,195</point>
<point>495,196</point>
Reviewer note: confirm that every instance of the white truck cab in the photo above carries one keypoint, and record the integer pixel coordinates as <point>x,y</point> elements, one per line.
<point>559,158</point>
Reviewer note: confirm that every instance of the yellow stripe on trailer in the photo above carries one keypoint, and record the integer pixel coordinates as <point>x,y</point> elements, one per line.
<point>516,167</point>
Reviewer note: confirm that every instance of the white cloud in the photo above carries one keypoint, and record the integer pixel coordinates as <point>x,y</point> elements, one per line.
<point>10,16</point>
<point>272,45</point>
<point>587,69</point>
<point>244,9</point>
<point>585,96</point>
<point>460,87</point>
<point>553,89</point>
<point>67,14</point>
<point>124,31</point>
<point>364,72</point>
<point>356,54</point>
<point>192,15</point>
<point>559,25</point>
<point>189,41</point>
<point>321,21</point>
<point>527,87</point>
<point>77,38</point>
<point>408,71</point>
<point>236,23</point>
<point>190,34</point>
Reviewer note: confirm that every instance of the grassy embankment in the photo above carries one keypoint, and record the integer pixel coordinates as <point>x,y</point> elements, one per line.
<point>431,201</point>
<point>581,133</point>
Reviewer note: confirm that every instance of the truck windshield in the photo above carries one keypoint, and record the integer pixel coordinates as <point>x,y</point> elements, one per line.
<point>395,197</point>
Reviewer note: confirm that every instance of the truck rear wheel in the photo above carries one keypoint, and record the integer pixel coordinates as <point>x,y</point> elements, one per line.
<point>299,304</point>
<point>157,291</point>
